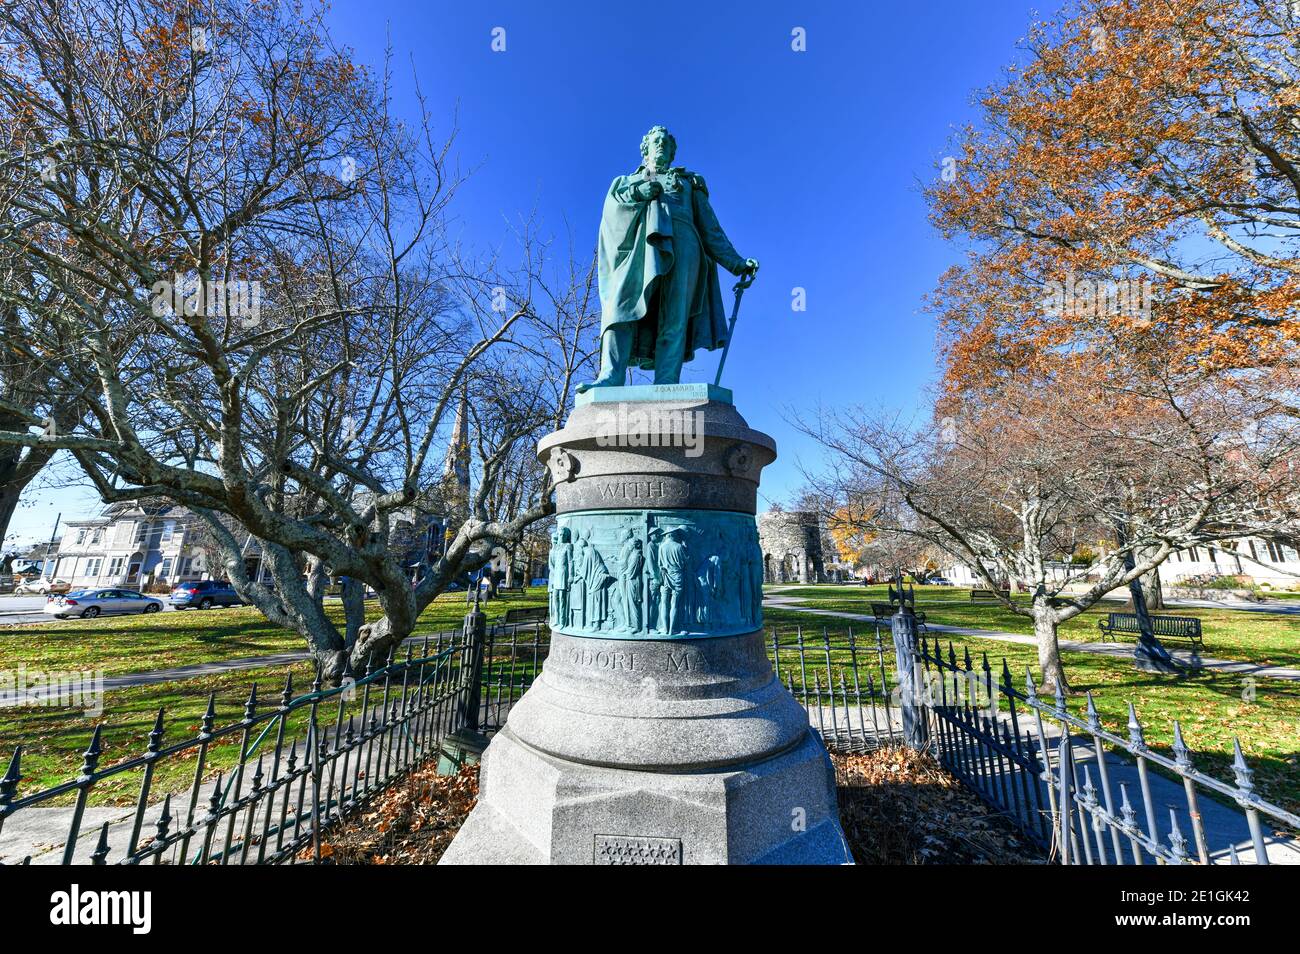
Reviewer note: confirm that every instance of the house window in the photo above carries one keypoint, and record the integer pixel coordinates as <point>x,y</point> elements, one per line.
<point>1193,555</point>
<point>1274,551</point>
<point>115,568</point>
<point>187,566</point>
<point>98,536</point>
<point>81,535</point>
<point>1254,554</point>
<point>168,531</point>
<point>165,571</point>
<point>92,567</point>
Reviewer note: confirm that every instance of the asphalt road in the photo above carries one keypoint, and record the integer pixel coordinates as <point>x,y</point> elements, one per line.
<point>28,609</point>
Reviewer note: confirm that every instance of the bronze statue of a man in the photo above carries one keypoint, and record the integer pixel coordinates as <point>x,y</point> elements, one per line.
<point>660,298</point>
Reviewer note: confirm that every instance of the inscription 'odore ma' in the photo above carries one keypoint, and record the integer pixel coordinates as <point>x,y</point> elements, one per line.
<point>673,660</point>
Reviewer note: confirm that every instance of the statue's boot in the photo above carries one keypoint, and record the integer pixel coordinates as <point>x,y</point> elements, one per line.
<point>615,350</point>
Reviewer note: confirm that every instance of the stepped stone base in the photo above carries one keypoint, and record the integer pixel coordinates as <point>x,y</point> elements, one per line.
<point>536,809</point>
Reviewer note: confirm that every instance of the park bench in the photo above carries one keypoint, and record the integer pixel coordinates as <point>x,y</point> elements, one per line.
<point>884,611</point>
<point>1165,628</point>
<point>978,595</point>
<point>518,589</point>
<point>527,614</point>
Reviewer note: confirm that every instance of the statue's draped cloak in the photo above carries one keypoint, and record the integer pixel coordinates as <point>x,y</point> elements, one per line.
<point>635,254</point>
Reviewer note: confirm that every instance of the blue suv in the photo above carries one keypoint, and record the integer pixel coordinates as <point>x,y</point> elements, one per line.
<point>203,594</point>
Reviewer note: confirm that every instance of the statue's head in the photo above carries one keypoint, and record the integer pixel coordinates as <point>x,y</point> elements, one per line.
<point>658,147</point>
<point>564,534</point>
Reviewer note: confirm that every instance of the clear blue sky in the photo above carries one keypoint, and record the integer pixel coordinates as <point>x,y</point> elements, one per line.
<point>813,160</point>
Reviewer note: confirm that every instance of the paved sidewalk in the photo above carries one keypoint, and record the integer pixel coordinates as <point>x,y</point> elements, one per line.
<point>1117,650</point>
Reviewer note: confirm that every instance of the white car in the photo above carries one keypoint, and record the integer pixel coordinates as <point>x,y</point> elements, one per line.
<point>88,604</point>
<point>42,587</point>
<point>940,581</point>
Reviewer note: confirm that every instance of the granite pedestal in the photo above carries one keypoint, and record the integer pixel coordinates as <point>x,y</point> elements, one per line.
<point>657,732</point>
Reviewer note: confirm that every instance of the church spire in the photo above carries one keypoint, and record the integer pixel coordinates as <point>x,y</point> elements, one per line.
<point>456,465</point>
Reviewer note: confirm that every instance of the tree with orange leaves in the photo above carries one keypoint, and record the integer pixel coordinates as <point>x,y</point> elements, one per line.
<point>1134,184</point>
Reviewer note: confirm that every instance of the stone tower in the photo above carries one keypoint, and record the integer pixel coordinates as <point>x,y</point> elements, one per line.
<point>792,542</point>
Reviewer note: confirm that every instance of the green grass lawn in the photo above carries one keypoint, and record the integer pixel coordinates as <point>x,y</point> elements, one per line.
<point>124,644</point>
<point>1264,638</point>
<point>54,739</point>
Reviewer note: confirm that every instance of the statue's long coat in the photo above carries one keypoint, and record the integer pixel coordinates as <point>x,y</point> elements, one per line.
<point>635,255</point>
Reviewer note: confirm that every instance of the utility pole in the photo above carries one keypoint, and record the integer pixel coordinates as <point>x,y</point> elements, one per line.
<point>49,551</point>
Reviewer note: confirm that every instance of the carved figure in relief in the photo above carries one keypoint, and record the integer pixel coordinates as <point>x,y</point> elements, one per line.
<point>561,577</point>
<point>631,563</point>
<point>597,581</point>
<point>730,569</point>
<point>674,566</point>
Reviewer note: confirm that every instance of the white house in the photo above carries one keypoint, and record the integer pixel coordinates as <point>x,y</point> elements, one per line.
<point>142,544</point>
<point>1275,563</point>
<point>1272,563</point>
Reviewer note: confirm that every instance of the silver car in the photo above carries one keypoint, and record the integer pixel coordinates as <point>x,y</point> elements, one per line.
<point>88,604</point>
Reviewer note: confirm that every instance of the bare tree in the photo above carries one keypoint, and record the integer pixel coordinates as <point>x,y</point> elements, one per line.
<point>266,318</point>
<point>1015,486</point>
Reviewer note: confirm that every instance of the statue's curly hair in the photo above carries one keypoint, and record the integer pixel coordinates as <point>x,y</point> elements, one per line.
<point>645,140</point>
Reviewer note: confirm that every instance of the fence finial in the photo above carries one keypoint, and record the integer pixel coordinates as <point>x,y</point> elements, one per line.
<point>164,821</point>
<point>1176,840</point>
<point>9,784</point>
<point>156,735</point>
<point>1182,756</point>
<point>90,758</point>
<point>101,849</point>
<point>215,799</point>
<point>1135,729</point>
<point>1245,777</point>
<point>1128,816</point>
<point>209,718</point>
<point>1094,721</point>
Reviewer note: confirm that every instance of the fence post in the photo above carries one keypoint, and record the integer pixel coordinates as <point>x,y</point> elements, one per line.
<point>903,628</point>
<point>464,745</point>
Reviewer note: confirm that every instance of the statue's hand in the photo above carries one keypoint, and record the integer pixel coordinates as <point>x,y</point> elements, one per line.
<point>750,268</point>
<point>645,190</point>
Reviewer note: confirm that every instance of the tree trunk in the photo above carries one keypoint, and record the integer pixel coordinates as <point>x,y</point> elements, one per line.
<point>8,505</point>
<point>354,611</point>
<point>1049,650</point>
<point>1149,653</point>
<point>1154,590</point>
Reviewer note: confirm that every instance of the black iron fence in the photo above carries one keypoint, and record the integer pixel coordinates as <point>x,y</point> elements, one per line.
<point>307,762</point>
<point>1070,784</point>
<point>301,764</point>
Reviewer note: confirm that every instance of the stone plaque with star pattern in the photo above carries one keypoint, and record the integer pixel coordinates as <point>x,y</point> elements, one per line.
<point>631,850</point>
